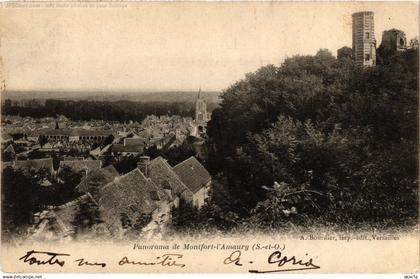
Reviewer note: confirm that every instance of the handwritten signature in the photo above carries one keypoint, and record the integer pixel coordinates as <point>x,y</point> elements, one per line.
<point>284,262</point>
<point>52,258</point>
<point>279,259</point>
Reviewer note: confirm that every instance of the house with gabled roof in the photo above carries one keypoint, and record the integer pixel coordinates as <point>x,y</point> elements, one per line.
<point>84,166</point>
<point>151,189</point>
<point>120,149</point>
<point>188,180</point>
<point>35,164</point>
<point>98,152</point>
<point>135,141</point>
<point>195,176</point>
<point>10,151</point>
<point>162,174</point>
<point>95,180</point>
<point>132,194</point>
<point>95,152</point>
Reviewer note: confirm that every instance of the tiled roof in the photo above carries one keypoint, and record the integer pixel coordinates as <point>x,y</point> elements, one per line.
<point>193,174</point>
<point>131,194</point>
<point>10,149</point>
<point>96,179</point>
<point>36,164</point>
<point>73,132</point>
<point>131,148</point>
<point>80,165</point>
<point>162,175</point>
<point>95,151</point>
<point>47,145</point>
<point>134,141</point>
<point>105,149</point>
<point>15,130</point>
<point>110,169</point>
<point>165,141</point>
<point>6,137</point>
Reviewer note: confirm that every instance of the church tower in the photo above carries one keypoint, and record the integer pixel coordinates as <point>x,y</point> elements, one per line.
<point>201,115</point>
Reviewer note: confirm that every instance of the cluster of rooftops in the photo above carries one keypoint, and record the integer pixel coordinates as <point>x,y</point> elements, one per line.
<point>151,188</point>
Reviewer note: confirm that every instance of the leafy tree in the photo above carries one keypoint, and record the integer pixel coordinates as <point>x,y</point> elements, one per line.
<point>347,132</point>
<point>87,216</point>
<point>180,153</point>
<point>414,43</point>
<point>7,156</point>
<point>42,141</point>
<point>19,199</point>
<point>345,53</point>
<point>185,217</point>
<point>126,164</point>
<point>152,151</point>
<point>62,188</point>
<point>283,205</point>
<point>134,223</point>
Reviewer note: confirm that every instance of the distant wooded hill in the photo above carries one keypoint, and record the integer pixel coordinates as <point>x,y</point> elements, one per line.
<point>164,96</point>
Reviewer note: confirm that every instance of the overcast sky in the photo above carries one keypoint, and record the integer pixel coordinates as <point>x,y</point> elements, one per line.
<point>177,46</point>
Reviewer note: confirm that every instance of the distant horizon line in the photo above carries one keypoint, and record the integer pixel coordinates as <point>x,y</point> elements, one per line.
<point>107,91</point>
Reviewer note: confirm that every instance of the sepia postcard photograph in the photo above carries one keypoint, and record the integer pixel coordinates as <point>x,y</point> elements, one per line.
<point>209,137</point>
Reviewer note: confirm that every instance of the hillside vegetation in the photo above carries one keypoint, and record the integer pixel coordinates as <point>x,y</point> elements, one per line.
<point>318,140</point>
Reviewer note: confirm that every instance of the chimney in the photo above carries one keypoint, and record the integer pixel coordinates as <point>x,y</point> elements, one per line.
<point>143,165</point>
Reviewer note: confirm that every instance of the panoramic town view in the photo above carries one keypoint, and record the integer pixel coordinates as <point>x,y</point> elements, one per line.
<point>325,140</point>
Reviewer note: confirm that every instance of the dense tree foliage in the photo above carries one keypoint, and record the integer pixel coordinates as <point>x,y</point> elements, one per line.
<point>134,224</point>
<point>121,111</point>
<point>23,194</point>
<point>126,163</point>
<point>176,154</point>
<point>87,216</point>
<point>325,125</point>
<point>185,217</point>
<point>18,201</point>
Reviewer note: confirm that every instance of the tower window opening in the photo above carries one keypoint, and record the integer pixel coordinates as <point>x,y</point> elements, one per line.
<point>401,42</point>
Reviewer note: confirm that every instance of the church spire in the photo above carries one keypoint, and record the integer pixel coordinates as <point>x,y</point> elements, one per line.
<point>199,94</point>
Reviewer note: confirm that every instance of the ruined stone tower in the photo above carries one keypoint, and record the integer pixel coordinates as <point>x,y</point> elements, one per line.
<point>364,43</point>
